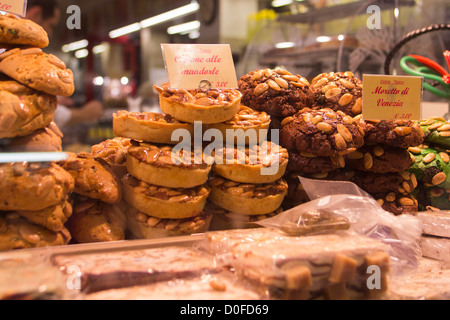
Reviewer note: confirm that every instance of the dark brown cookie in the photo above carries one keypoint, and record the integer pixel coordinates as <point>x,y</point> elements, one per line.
<point>338,91</point>
<point>400,133</point>
<point>397,203</point>
<point>322,132</point>
<point>277,92</point>
<point>379,158</point>
<point>307,163</point>
<point>401,183</point>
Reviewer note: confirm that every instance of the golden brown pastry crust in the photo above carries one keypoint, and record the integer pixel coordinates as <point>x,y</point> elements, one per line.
<point>154,164</point>
<point>21,32</point>
<point>33,186</point>
<point>22,109</point>
<point>93,177</point>
<point>38,70</point>
<point>18,233</point>
<point>114,151</point>
<point>162,202</point>
<point>214,106</point>
<point>148,126</point>
<point>96,221</point>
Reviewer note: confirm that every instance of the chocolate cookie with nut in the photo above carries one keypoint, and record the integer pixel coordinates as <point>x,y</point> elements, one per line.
<point>322,132</point>
<point>305,163</point>
<point>379,159</point>
<point>402,182</point>
<point>338,91</point>
<point>277,92</point>
<point>397,203</point>
<point>396,133</point>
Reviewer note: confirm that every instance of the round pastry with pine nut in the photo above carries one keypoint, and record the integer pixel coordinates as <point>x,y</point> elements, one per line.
<point>38,70</point>
<point>264,163</point>
<point>211,106</point>
<point>163,202</point>
<point>338,91</point>
<point>403,182</point>
<point>114,152</point>
<point>277,92</point>
<point>161,165</point>
<point>246,198</point>
<point>397,203</point>
<point>18,32</point>
<point>248,126</point>
<point>148,126</point>
<point>144,226</point>
<point>396,133</point>
<point>322,132</point>
<point>23,110</point>
<point>379,158</point>
<point>33,186</point>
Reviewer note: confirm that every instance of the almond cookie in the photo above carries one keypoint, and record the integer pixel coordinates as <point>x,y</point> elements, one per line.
<point>47,139</point>
<point>144,226</point>
<point>263,163</point>
<point>18,233</point>
<point>160,165</point>
<point>212,106</point>
<point>163,202</point>
<point>246,198</point>
<point>338,91</point>
<point>96,221</point>
<point>52,218</point>
<point>33,186</point>
<point>277,92</point>
<point>437,131</point>
<point>379,158</point>
<point>148,126</point>
<point>322,132</point>
<point>396,133</point>
<point>22,109</point>
<point>38,70</point>
<point>93,177</point>
<point>114,152</point>
<point>21,32</point>
<point>248,126</point>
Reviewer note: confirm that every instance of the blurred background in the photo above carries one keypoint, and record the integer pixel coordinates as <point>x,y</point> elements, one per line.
<point>116,55</point>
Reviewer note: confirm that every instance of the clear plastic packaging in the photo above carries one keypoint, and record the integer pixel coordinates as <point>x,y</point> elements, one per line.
<point>343,205</point>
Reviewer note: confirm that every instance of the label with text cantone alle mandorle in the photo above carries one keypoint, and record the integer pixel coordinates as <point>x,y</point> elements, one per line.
<point>188,65</point>
<point>392,97</point>
<point>17,7</point>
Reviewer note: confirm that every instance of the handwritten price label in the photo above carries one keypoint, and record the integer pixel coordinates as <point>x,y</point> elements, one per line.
<point>18,7</point>
<point>392,97</point>
<point>188,65</point>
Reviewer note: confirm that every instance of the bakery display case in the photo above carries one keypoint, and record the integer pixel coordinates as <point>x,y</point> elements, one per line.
<point>276,189</point>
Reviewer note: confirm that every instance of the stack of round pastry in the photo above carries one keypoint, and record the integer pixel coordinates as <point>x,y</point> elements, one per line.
<point>247,184</point>
<point>166,191</point>
<point>432,164</point>
<point>96,199</point>
<point>318,142</point>
<point>34,204</point>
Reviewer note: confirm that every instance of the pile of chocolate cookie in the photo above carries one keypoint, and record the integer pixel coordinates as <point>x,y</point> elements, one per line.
<point>34,197</point>
<point>322,127</point>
